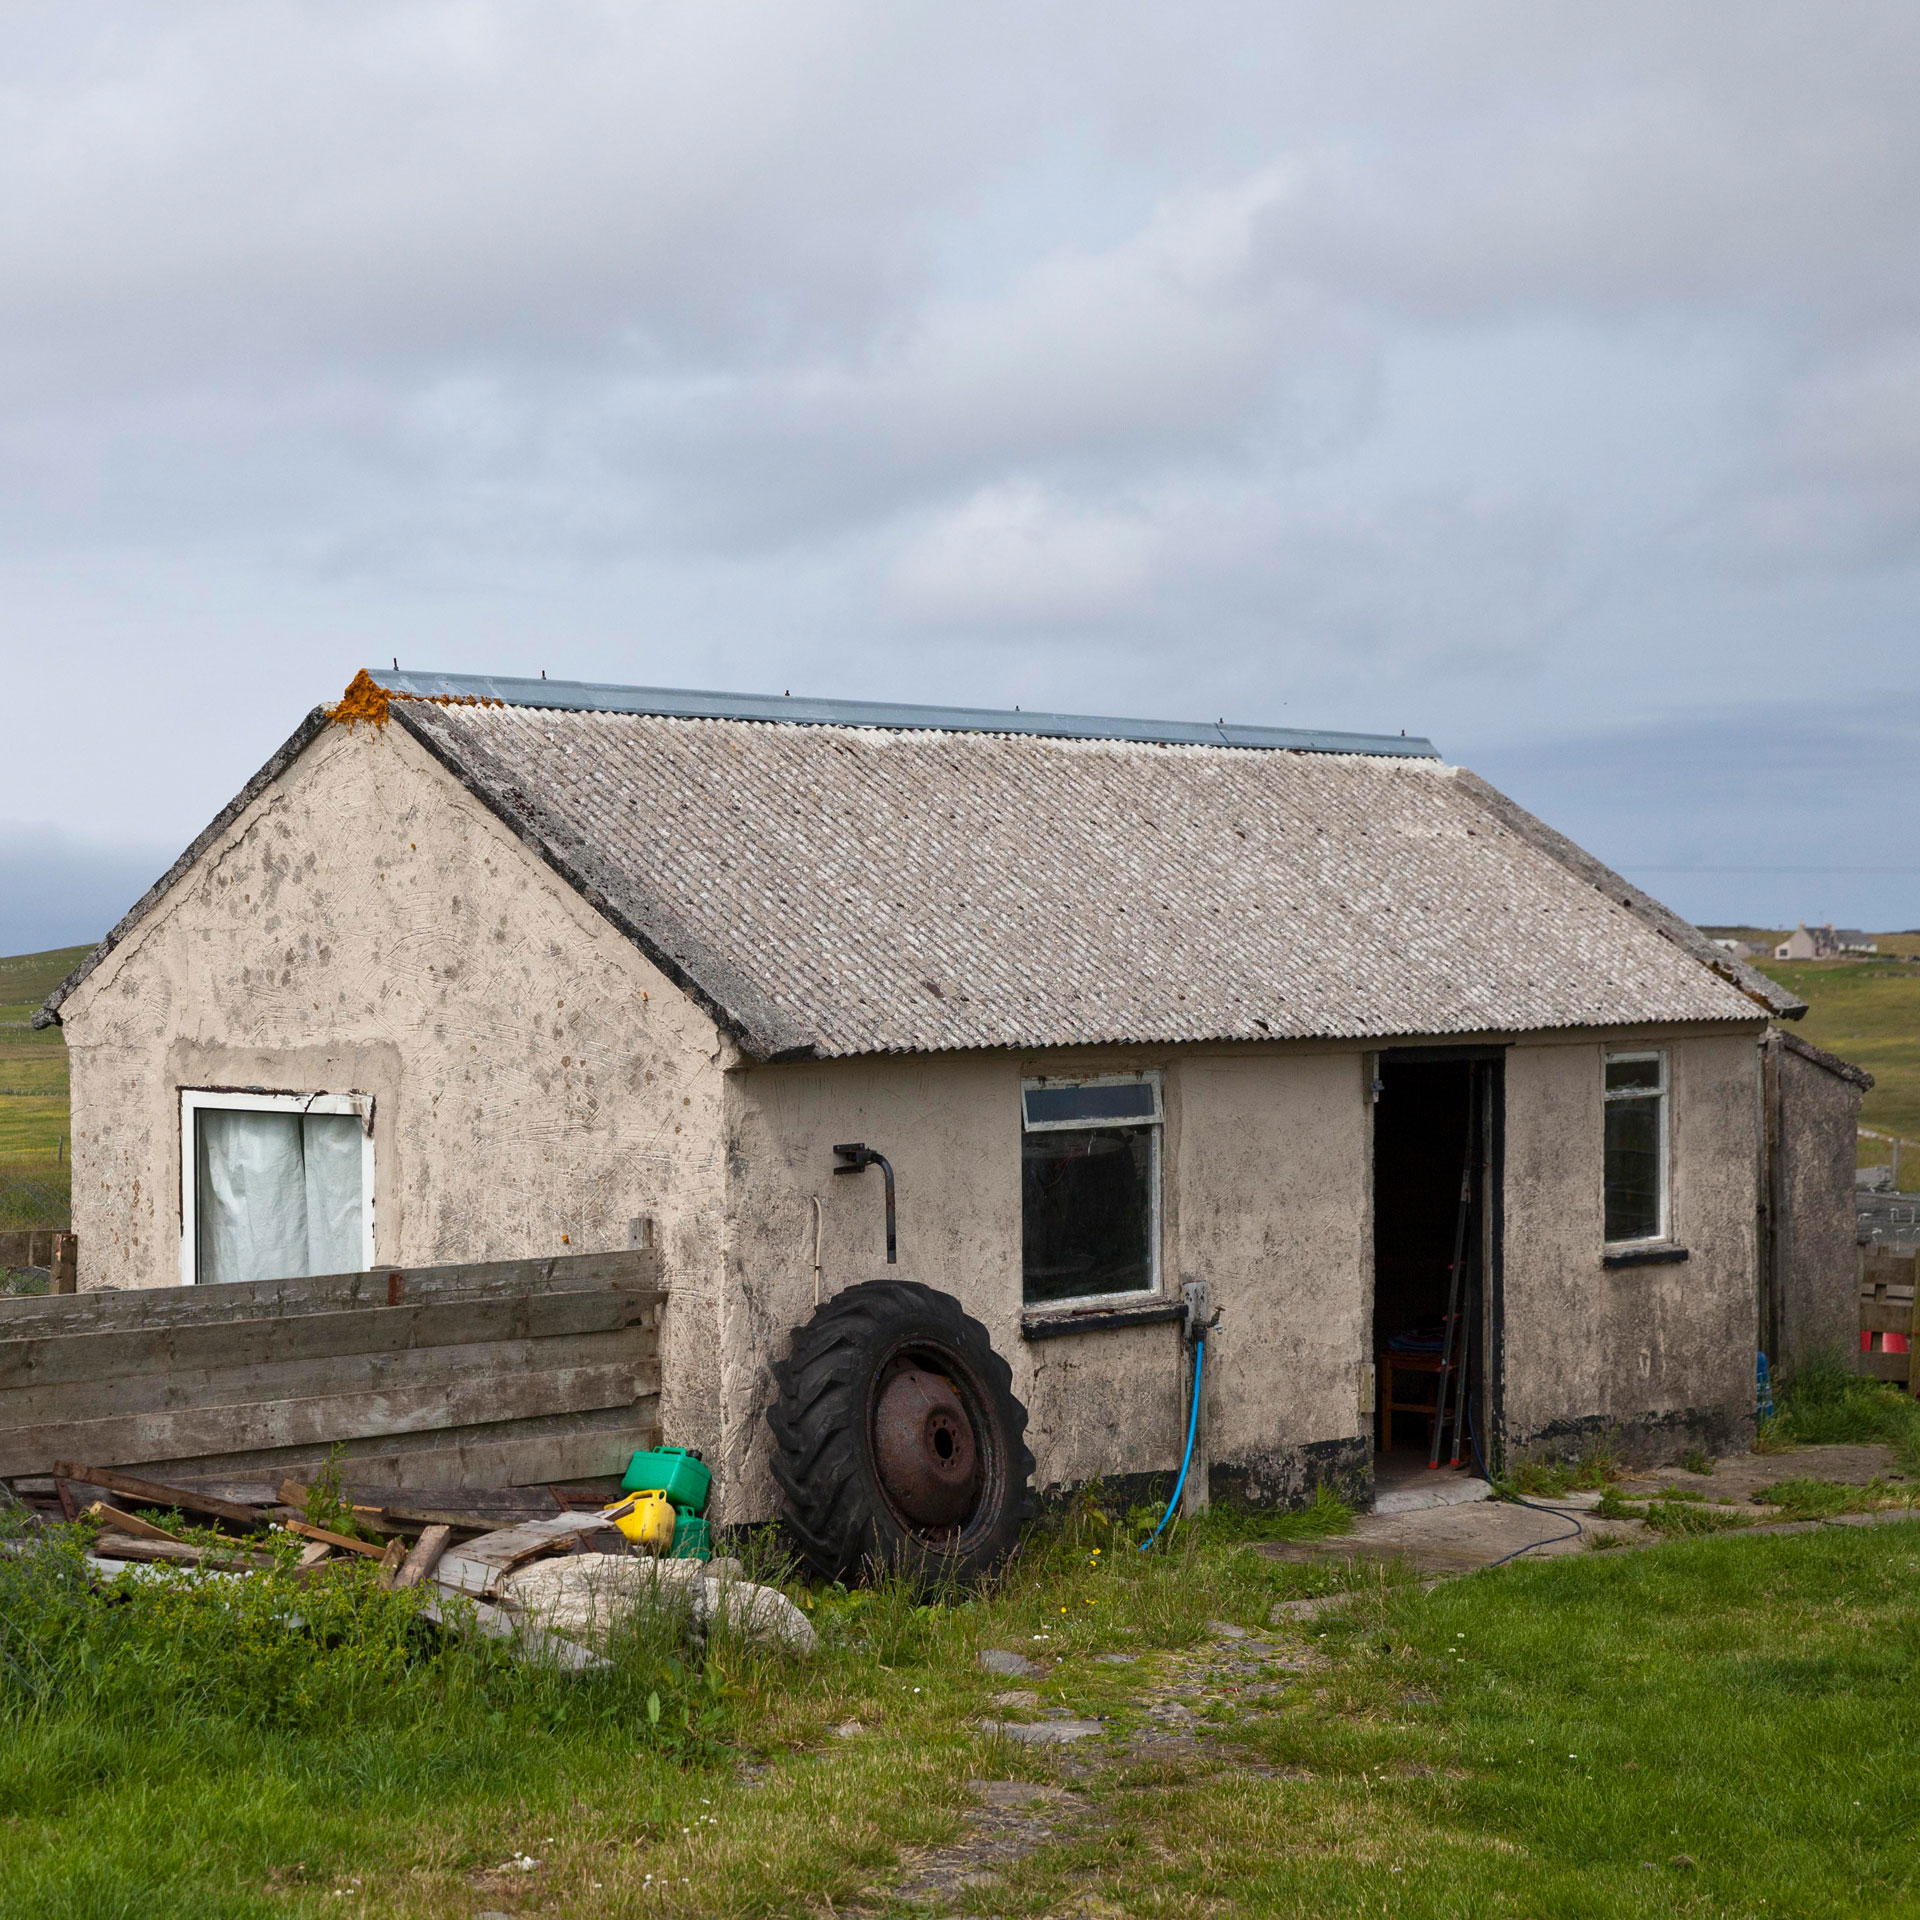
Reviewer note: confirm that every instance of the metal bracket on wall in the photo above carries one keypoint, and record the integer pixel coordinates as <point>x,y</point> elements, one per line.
<point>858,1156</point>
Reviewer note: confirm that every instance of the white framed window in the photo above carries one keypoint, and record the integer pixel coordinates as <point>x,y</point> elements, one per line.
<point>274,1185</point>
<point>1090,1188</point>
<point>1636,1148</point>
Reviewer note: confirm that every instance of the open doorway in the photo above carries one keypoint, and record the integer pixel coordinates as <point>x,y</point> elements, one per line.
<point>1435,1227</point>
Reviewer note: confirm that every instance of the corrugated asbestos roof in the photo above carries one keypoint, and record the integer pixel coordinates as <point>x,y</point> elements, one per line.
<point>854,888</point>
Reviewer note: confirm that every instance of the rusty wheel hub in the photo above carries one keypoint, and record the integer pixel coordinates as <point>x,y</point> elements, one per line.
<point>924,1447</point>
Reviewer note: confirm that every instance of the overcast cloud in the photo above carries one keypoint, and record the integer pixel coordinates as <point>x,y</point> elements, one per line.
<point>1543,379</point>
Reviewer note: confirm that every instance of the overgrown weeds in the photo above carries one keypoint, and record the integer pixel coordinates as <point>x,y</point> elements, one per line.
<point>1824,1403</point>
<point>1821,1499</point>
<point>1593,1470</point>
<point>1671,1510</point>
<point>328,1506</point>
<point>284,1648</point>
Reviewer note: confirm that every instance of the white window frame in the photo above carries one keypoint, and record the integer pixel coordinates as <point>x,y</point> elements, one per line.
<point>197,1100</point>
<point>1155,1126</point>
<point>1623,1057</point>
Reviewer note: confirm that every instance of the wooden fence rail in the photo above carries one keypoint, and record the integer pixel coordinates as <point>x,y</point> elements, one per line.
<point>51,1247</point>
<point>510,1373</point>
<point>1887,1295</point>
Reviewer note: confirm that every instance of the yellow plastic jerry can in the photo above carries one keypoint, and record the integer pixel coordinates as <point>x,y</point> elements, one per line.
<point>647,1519</point>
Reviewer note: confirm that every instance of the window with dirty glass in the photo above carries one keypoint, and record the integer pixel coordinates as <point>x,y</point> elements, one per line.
<point>1090,1189</point>
<point>1636,1147</point>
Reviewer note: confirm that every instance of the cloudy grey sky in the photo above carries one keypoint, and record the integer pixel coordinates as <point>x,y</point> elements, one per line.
<point>1545,379</point>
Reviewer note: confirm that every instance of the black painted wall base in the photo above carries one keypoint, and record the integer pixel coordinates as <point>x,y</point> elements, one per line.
<point>1282,1480</point>
<point>1289,1477</point>
<point>1645,1440</point>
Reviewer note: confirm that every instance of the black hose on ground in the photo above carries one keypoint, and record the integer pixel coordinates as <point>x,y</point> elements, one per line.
<point>1514,1499</point>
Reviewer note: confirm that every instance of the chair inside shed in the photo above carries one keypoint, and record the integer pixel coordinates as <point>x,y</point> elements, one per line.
<point>1422,1129</point>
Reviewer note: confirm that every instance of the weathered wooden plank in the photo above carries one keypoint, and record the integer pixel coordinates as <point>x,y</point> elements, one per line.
<point>1879,1268</point>
<point>51,1359</point>
<point>341,1542</point>
<point>116,1521</point>
<point>153,1307</point>
<point>425,1556</point>
<point>487,1456</point>
<point>1886,1316</point>
<point>205,1389</point>
<point>121,1546</point>
<point>191,1433</point>
<point>27,1247</point>
<point>159,1493</point>
<point>480,1565</point>
<point>1885,1366</point>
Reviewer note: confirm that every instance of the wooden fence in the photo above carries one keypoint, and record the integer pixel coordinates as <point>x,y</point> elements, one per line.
<point>50,1247</point>
<point>513,1373</point>
<point>1887,1307</point>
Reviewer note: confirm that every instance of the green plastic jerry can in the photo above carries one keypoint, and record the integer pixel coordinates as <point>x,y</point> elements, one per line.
<point>678,1472</point>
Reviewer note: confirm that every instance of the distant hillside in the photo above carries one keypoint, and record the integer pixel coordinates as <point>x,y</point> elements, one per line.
<point>27,978</point>
<point>1867,1011</point>
<point>34,1110</point>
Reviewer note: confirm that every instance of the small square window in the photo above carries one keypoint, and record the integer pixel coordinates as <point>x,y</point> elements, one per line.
<point>274,1186</point>
<point>1636,1147</point>
<point>1090,1189</point>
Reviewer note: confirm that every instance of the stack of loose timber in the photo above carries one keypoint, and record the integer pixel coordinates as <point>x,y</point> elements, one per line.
<point>457,1550</point>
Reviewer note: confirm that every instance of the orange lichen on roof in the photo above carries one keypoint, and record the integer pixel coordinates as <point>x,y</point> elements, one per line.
<point>366,699</point>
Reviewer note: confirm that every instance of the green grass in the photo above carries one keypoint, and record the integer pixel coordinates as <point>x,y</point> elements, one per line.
<point>35,1115</point>
<point>1822,1404</point>
<point>1546,1739</point>
<point>1800,1499</point>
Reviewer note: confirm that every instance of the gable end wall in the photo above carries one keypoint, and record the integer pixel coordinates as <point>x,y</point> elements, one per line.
<point>366,925</point>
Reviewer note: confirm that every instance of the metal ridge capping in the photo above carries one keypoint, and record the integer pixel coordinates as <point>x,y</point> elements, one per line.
<point>580,696</point>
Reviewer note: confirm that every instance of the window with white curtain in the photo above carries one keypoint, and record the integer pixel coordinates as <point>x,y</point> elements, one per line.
<point>274,1185</point>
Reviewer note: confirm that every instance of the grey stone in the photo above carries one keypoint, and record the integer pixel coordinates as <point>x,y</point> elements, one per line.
<point>1042,1733</point>
<point>1226,1630</point>
<point>1118,1659</point>
<point>1012,1666</point>
<point>1012,1793</point>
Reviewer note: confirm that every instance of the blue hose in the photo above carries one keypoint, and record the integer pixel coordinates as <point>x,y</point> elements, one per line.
<point>1186,1459</point>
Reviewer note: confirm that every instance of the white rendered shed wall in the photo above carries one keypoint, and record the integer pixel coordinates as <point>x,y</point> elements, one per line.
<point>366,925</point>
<point>1649,1358</point>
<point>1267,1196</point>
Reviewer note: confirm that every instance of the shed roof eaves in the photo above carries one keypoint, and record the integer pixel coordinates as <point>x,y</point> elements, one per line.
<point>1765,993</point>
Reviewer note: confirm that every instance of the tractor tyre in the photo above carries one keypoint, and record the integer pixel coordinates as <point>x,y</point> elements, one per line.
<point>901,1445</point>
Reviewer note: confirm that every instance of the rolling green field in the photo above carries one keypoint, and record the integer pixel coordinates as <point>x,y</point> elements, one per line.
<point>1867,1011</point>
<point>33,1093</point>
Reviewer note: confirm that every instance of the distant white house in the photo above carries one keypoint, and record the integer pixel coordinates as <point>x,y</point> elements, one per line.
<point>1738,948</point>
<point>1823,943</point>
